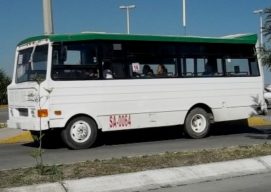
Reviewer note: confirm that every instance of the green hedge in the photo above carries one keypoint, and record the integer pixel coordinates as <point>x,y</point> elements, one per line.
<point>4,82</point>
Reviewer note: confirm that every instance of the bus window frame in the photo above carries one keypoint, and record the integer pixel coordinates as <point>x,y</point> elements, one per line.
<point>127,53</point>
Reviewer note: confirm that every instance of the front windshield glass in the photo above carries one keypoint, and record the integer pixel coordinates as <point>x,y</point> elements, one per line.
<point>32,64</point>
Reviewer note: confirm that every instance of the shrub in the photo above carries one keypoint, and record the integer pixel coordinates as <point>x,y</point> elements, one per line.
<point>4,82</point>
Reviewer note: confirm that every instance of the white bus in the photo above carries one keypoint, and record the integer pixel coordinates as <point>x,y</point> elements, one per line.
<point>60,82</point>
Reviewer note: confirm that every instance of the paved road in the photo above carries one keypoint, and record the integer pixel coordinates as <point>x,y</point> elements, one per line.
<point>3,115</point>
<point>131,143</point>
<point>252,183</point>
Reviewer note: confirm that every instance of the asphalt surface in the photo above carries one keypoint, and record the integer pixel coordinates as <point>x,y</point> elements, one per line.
<point>251,183</point>
<point>134,143</point>
<point>151,141</point>
<point>3,115</point>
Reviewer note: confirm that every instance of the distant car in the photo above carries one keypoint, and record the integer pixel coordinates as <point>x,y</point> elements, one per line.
<point>267,97</point>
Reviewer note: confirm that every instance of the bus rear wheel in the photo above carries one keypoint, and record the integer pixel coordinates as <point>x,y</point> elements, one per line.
<point>80,133</point>
<point>197,123</point>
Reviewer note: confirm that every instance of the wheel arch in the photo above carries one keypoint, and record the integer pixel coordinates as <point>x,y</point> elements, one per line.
<point>204,106</point>
<point>82,115</point>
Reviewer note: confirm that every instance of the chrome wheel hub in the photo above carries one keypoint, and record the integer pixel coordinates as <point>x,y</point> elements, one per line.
<point>80,131</point>
<point>198,123</point>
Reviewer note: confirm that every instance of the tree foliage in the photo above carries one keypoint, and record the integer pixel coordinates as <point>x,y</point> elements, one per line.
<point>4,82</point>
<point>266,49</point>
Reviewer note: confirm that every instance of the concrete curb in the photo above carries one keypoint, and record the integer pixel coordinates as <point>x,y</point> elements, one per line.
<point>155,179</point>
<point>259,121</point>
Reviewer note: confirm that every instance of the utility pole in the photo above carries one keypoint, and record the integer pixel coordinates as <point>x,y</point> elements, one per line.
<point>127,8</point>
<point>260,13</point>
<point>184,16</point>
<point>48,17</point>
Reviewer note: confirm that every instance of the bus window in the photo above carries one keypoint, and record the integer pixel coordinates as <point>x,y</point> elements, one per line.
<point>150,68</point>
<point>201,66</point>
<point>237,67</point>
<point>73,57</point>
<point>188,67</point>
<point>219,68</point>
<point>119,70</point>
<point>254,68</point>
<point>32,64</point>
<point>78,63</point>
<point>211,67</point>
<point>113,53</point>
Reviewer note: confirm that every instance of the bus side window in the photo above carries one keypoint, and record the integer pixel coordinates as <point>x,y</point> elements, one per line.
<point>135,70</point>
<point>188,67</point>
<point>107,70</point>
<point>254,68</point>
<point>237,67</point>
<point>118,69</point>
<point>73,57</point>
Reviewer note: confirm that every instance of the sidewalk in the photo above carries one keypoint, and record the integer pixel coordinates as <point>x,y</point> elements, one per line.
<point>155,179</point>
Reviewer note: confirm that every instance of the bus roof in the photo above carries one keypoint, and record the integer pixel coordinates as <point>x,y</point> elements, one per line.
<point>231,39</point>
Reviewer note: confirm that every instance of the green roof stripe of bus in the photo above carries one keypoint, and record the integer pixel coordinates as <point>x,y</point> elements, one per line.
<point>240,39</point>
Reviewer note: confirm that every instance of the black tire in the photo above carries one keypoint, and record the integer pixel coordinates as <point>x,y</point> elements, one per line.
<point>80,133</point>
<point>197,123</point>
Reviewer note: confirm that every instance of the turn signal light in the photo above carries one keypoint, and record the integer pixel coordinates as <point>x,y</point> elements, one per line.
<point>58,112</point>
<point>43,113</point>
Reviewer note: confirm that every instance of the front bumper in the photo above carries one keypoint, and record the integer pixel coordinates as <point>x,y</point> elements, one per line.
<point>28,124</point>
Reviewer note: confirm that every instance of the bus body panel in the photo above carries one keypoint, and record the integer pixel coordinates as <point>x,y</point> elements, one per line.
<point>130,103</point>
<point>24,105</point>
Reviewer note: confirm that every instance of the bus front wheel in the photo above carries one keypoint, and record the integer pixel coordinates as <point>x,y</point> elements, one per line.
<point>80,133</point>
<point>197,123</point>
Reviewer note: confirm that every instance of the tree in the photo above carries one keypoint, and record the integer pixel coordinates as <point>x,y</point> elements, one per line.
<point>266,50</point>
<point>4,82</point>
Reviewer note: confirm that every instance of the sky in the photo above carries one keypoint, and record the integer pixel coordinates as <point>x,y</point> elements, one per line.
<point>20,19</point>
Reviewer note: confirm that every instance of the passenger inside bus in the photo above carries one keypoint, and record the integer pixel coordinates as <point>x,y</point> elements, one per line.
<point>209,67</point>
<point>161,70</point>
<point>107,70</point>
<point>91,74</point>
<point>147,71</point>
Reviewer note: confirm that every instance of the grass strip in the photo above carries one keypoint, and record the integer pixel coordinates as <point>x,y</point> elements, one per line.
<point>29,176</point>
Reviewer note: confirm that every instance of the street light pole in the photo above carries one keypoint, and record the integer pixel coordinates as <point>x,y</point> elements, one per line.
<point>47,17</point>
<point>127,8</point>
<point>260,12</point>
<point>184,16</point>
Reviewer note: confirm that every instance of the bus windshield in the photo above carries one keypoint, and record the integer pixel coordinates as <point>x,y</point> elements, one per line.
<point>32,64</point>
